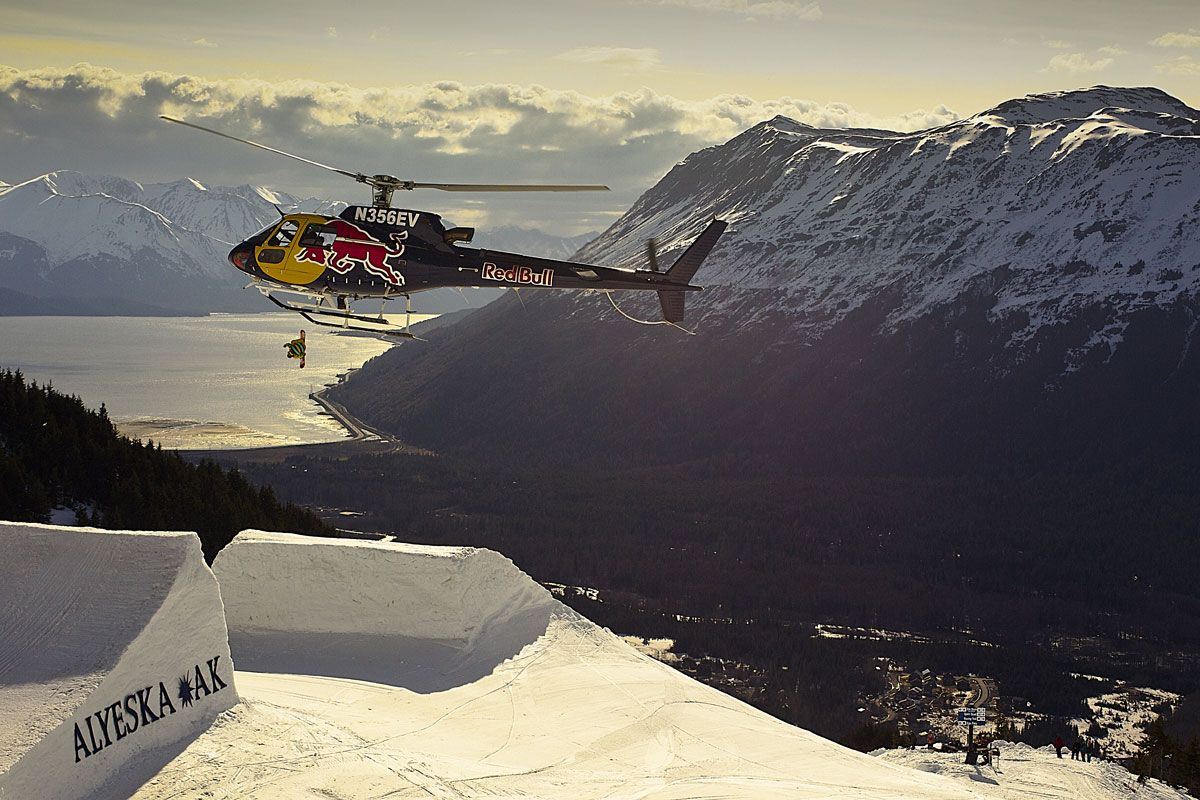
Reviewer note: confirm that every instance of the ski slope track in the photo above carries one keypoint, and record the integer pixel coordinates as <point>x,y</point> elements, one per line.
<point>99,631</point>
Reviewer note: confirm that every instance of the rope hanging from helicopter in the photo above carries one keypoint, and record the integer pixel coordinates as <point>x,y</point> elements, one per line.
<point>623,313</point>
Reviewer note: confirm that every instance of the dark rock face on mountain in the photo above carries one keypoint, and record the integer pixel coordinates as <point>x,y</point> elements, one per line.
<point>1012,291</point>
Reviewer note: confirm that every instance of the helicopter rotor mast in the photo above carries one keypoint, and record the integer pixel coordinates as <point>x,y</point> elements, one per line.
<point>383,186</point>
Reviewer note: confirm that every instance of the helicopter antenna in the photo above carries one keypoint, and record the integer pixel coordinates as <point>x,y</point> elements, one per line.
<point>383,186</point>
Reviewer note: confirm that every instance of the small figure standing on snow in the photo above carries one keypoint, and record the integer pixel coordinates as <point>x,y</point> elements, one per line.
<point>1058,745</point>
<point>297,349</point>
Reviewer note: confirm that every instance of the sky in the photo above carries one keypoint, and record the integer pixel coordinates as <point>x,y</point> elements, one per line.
<point>589,91</point>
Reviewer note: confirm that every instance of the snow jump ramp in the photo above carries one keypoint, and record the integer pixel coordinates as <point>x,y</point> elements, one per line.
<point>113,657</point>
<point>365,669</point>
<point>423,618</point>
<point>372,669</point>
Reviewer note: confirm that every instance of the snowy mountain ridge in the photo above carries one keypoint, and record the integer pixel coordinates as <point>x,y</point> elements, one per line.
<point>1047,206</point>
<point>189,227</point>
<point>515,239</point>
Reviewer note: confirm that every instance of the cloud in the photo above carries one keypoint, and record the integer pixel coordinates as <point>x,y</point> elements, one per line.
<point>331,32</point>
<point>1076,62</point>
<point>797,9</point>
<point>1182,65</point>
<point>1176,39</point>
<point>1112,50</point>
<point>103,121</point>
<point>1057,44</point>
<point>204,43</point>
<point>626,58</point>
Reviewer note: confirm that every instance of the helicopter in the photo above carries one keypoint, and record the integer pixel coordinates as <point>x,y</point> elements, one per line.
<point>319,266</point>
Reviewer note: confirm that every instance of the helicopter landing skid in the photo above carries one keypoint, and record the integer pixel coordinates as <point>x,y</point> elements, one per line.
<point>318,312</point>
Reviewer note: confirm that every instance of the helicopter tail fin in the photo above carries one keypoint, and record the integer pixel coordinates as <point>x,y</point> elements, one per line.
<point>685,268</point>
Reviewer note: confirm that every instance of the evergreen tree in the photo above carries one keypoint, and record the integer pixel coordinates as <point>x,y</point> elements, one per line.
<point>54,452</point>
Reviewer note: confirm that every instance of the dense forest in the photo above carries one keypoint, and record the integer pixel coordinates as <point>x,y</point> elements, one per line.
<point>55,453</point>
<point>1171,752</point>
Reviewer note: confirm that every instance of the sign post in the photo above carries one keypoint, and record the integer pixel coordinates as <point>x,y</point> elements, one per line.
<point>972,717</point>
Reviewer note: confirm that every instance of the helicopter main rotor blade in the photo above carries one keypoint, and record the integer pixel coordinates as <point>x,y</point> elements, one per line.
<point>511,187</point>
<point>355,175</point>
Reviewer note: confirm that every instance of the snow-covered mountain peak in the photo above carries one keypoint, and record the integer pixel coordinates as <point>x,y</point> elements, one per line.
<point>1055,202</point>
<point>69,183</point>
<point>187,226</point>
<point>1034,109</point>
<point>784,124</point>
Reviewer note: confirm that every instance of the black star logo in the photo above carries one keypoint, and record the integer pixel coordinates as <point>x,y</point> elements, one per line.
<point>185,691</point>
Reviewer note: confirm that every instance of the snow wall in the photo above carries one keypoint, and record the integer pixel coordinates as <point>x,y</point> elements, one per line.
<point>423,618</point>
<point>113,656</point>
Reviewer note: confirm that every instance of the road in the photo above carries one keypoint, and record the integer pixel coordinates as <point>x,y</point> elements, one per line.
<point>983,693</point>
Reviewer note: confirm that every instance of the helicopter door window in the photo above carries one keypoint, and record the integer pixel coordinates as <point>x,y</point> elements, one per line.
<point>286,233</point>
<point>321,236</point>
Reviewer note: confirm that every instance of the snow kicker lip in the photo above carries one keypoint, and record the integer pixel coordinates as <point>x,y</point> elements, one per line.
<point>427,619</point>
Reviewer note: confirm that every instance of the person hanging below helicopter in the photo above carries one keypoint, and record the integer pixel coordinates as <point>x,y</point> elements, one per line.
<point>297,349</point>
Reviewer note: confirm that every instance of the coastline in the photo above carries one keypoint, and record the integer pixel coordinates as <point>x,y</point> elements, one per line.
<point>363,440</point>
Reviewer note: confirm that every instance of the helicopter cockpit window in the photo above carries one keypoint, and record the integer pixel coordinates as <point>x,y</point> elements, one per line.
<point>321,236</point>
<point>283,237</point>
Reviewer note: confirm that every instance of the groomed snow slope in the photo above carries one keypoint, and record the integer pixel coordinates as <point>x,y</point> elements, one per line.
<point>1022,772</point>
<point>509,694</point>
<point>99,633</point>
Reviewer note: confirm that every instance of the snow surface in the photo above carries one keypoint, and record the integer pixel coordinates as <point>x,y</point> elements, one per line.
<point>398,671</point>
<point>89,617</point>
<point>532,701</point>
<point>1022,772</point>
<point>1125,714</point>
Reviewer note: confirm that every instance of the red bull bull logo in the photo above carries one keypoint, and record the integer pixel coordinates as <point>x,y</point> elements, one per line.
<point>352,246</point>
<point>516,274</point>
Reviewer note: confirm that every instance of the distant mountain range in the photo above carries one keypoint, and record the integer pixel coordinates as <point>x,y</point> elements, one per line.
<point>1020,282</point>
<point>75,243</point>
<point>512,239</point>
